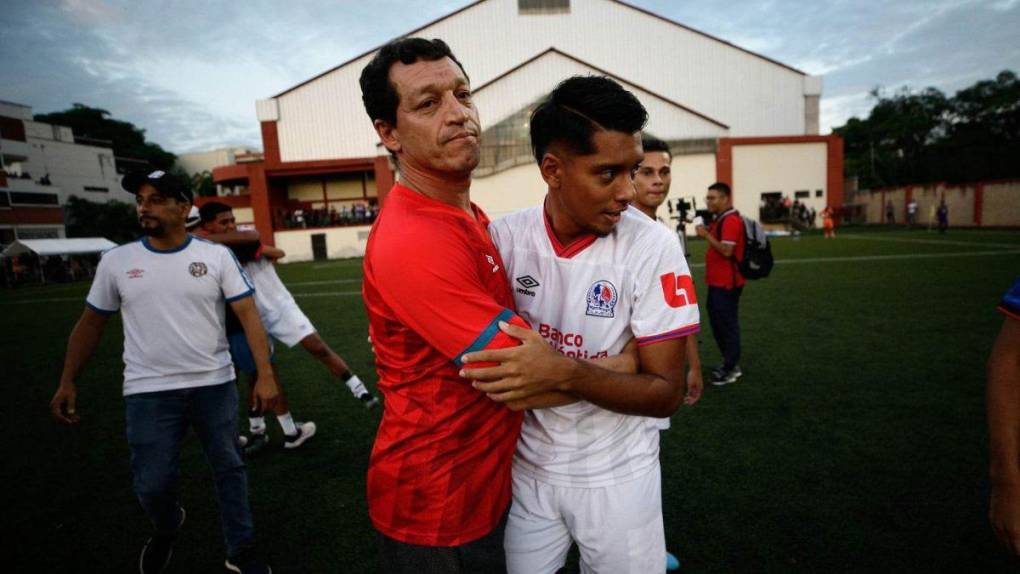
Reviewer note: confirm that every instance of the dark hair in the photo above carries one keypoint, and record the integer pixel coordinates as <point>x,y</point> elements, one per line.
<point>721,187</point>
<point>579,106</point>
<point>652,143</point>
<point>209,211</point>
<point>377,93</point>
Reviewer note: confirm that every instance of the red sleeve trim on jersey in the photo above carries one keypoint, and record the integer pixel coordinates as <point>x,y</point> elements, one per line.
<point>1011,313</point>
<point>674,334</point>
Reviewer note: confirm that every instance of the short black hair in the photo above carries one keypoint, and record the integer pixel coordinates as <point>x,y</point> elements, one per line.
<point>210,210</point>
<point>377,93</point>
<point>652,143</point>
<point>721,187</point>
<point>579,106</point>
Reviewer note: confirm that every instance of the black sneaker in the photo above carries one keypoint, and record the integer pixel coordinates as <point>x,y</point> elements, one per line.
<point>368,400</point>
<point>255,444</point>
<point>247,563</point>
<point>158,550</point>
<point>727,377</point>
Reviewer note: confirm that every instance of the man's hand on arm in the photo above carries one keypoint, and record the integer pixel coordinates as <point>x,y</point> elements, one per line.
<point>80,347</point>
<point>273,253</point>
<point>527,376</point>
<point>535,368</point>
<point>266,391</point>
<point>234,238</point>
<point>1003,407</point>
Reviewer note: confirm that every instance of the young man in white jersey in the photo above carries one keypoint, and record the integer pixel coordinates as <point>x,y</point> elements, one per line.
<point>282,318</point>
<point>651,188</point>
<point>590,274</point>
<point>172,290</point>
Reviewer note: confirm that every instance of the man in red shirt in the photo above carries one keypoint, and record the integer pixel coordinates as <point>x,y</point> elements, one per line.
<point>726,241</point>
<point>434,289</point>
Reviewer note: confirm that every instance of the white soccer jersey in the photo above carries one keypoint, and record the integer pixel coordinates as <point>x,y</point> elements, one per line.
<point>280,314</point>
<point>172,305</point>
<point>588,299</point>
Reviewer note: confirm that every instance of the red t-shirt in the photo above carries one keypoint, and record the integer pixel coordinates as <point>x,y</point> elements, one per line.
<point>722,271</point>
<point>435,287</point>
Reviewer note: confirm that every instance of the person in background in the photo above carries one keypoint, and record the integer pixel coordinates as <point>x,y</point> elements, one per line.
<point>1003,410</point>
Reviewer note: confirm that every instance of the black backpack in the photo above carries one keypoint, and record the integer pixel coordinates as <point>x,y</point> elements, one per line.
<point>757,261</point>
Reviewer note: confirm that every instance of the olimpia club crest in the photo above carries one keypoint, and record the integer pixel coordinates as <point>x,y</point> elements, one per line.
<point>198,269</point>
<point>602,299</point>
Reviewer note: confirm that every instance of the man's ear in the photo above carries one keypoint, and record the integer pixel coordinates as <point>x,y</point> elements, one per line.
<point>387,135</point>
<point>551,168</point>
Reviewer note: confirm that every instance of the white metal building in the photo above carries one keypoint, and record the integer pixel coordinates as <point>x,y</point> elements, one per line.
<point>41,166</point>
<point>729,115</point>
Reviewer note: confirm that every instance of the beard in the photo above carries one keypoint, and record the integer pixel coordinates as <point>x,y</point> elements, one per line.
<point>155,229</point>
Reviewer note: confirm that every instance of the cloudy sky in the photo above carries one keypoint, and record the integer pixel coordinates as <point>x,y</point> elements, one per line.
<point>189,71</point>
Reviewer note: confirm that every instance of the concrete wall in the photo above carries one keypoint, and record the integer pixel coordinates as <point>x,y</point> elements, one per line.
<point>1001,204</point>
<point>985,204</point>
<point>341,242</point>
<point>692,174</point>
<point>517,188</point>
<point>786,168</point>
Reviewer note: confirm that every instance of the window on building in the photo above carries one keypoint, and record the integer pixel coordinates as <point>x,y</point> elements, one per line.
<point>543,6</point>
<point>95,189</point>
<point>818,193</point>
<point>803,194</point>
<point>5,200</point>
<point>506,144</point>
<point>29,198</point>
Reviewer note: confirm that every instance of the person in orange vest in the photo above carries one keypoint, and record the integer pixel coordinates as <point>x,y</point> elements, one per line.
<point>828,222</point>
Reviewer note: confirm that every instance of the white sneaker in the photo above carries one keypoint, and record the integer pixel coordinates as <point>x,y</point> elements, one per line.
<point>305,431</point>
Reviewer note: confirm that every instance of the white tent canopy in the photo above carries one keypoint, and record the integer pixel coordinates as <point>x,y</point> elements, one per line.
<point>75,246</point>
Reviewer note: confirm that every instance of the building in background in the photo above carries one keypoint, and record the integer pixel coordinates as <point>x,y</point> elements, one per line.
<point>41,166</point>
<point>728,114</point>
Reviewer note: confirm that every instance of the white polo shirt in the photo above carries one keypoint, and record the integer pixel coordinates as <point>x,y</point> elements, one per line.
<point>588,299</point>
<point>173,308</point>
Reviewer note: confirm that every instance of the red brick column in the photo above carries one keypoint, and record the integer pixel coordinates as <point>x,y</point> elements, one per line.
<point>383,177</point>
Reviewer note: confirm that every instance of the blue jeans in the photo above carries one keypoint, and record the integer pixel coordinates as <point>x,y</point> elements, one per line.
<point>723,305</point>
<point>156,423</point>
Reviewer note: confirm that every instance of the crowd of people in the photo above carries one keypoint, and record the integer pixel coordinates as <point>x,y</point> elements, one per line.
<point>359,213</point>
<point>781,209</point>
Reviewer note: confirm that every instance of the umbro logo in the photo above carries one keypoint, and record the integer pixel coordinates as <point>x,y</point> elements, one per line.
<point>527,283</point>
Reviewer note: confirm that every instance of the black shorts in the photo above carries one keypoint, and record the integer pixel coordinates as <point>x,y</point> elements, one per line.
<point>482,556</point>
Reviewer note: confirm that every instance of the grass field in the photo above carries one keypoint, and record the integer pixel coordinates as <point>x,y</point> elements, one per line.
<point>855,441</point>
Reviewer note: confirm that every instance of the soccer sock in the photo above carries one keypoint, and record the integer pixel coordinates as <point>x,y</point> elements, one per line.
<point>287,424</point>
<point>356,386</point>
<point>256,423</point>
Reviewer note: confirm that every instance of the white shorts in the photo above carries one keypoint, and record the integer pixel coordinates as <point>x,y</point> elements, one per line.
<point>618,529</point>
<point>289,326</point>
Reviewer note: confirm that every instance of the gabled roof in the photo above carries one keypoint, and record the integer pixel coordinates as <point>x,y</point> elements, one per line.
<point>553,50</point>
<point>473,4</point>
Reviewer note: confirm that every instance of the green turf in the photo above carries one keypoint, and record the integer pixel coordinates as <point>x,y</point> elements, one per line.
<point>855,441</point>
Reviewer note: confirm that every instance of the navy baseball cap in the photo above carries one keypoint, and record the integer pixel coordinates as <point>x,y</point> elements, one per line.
<point>167,184</point>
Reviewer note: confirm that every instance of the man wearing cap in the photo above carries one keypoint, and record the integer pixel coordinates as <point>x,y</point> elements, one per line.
<point>171,289</point>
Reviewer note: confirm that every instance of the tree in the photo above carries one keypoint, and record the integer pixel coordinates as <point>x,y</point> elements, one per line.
<point>919,137</point>
<point>202,184</point>
<point>114,220</point>
<point>127,140</point>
